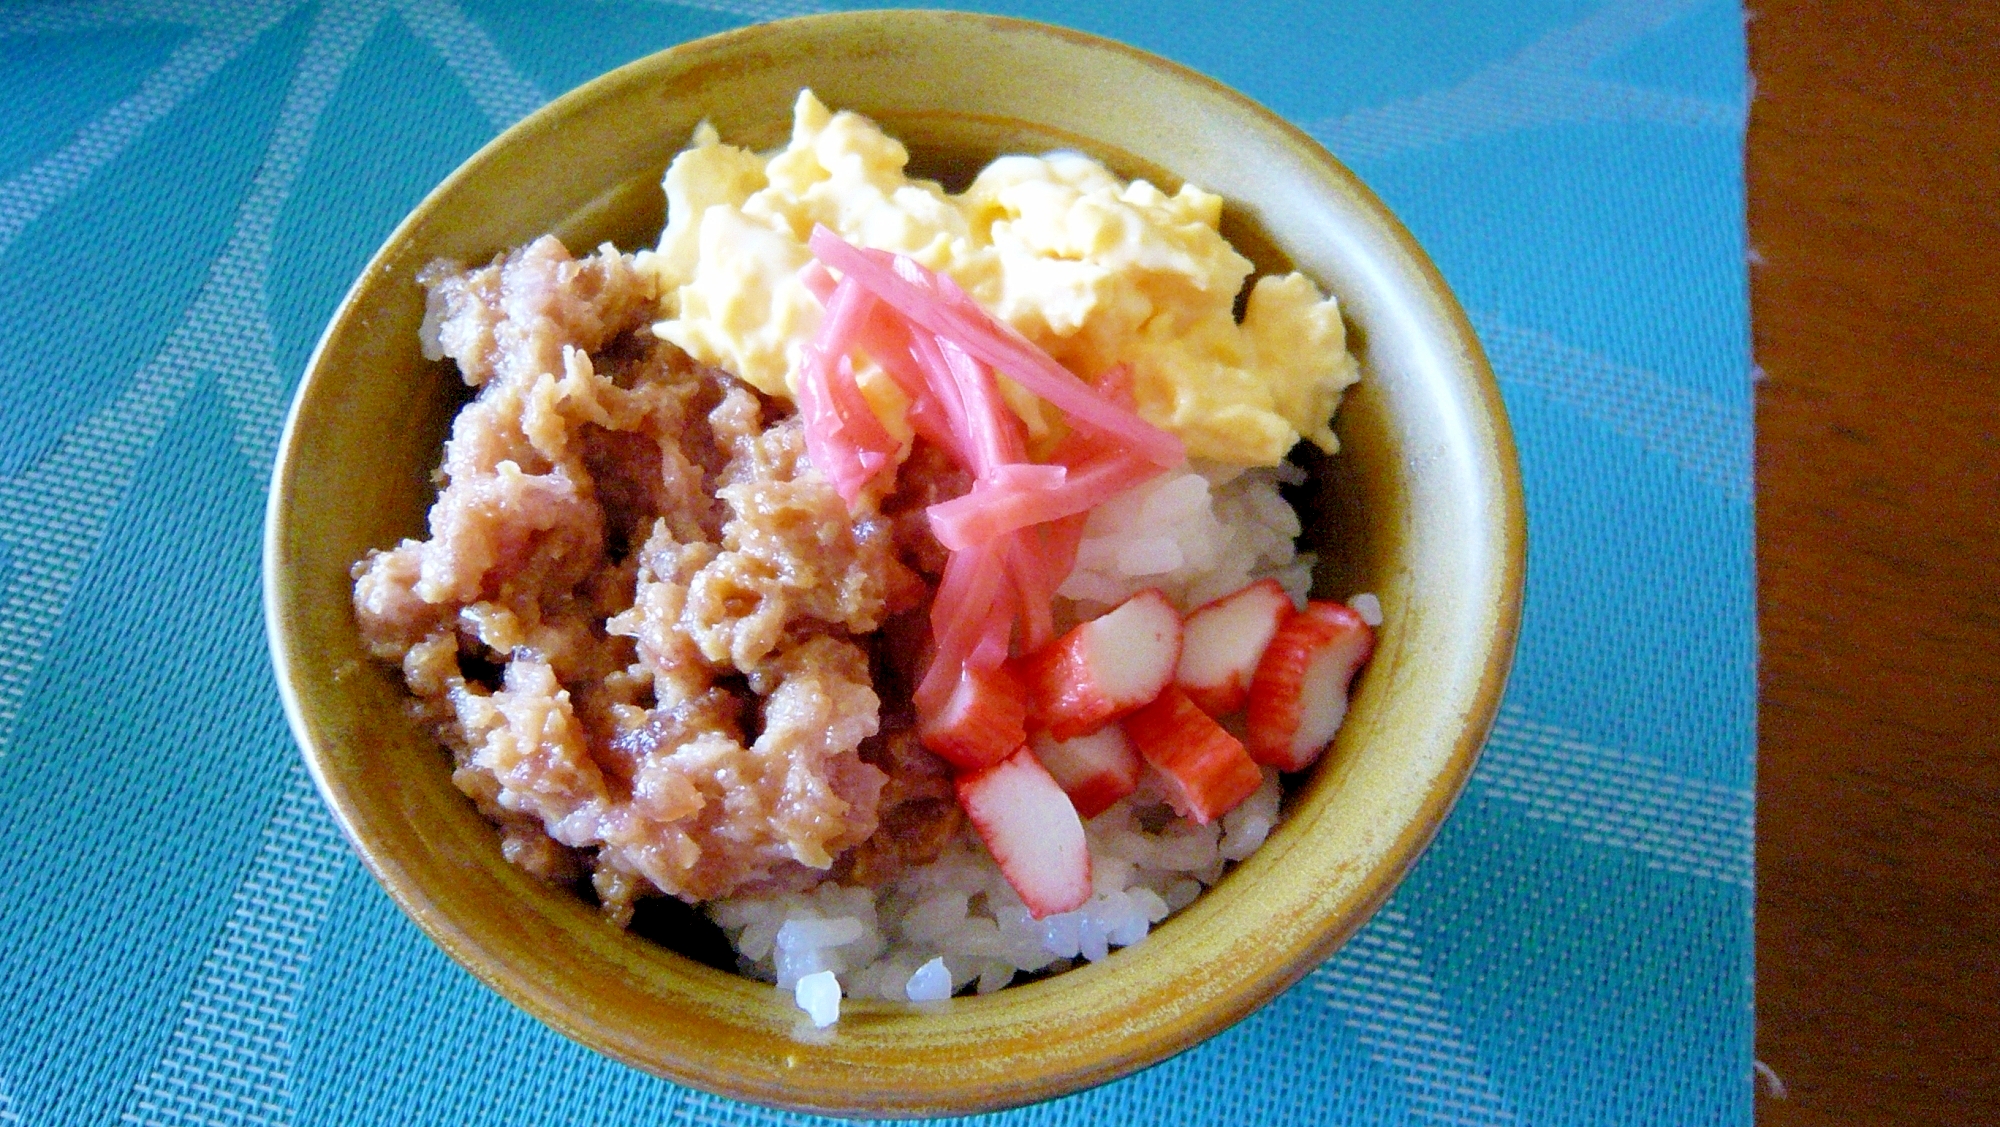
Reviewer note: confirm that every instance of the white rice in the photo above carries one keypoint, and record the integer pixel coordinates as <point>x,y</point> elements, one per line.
<point>1196,536</point>
<point>955,923</point>
<point>819,995</point>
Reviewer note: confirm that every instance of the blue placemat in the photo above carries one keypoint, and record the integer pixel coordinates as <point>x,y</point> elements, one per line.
<point>186,190</point>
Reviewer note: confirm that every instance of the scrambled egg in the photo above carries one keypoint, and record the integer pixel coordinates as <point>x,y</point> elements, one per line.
<point>1095,271</point>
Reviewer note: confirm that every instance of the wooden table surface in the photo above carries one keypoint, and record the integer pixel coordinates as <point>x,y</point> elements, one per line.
<point>1874,182</point>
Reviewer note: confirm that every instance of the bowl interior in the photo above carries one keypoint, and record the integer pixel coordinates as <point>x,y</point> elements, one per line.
<point>1421,507</point>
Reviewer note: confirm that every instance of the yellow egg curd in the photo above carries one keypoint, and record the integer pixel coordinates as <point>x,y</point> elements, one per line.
<point>1096,271</point>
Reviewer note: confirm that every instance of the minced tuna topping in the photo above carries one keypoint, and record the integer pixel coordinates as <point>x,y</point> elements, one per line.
<point>640,620</point>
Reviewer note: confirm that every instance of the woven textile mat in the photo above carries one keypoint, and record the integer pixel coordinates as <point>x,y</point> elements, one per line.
<point>186,190</point>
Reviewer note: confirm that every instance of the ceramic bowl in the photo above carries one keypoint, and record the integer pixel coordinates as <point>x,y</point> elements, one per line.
<point>1422,506</point>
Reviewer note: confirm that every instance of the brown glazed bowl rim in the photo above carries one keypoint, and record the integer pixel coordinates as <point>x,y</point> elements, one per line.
<point>1256,933</point>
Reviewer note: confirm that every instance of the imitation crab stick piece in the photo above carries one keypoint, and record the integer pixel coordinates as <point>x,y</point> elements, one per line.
<point>1032,830</point>
<point>1299,694</point>
<point>1103,668</point>
<point>986,339</point>
<point>1094,770</point>
<point>972,623</point>
<point>1222,641</point>
<point>1208,768</point>
<point>981,722</point>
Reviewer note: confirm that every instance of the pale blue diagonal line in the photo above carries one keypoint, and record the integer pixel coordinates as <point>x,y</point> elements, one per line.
<point>1379,988</point>
<point>54,514</point>
<point>1610,798</point>
<point>25,197</point>
<point>59,17</point>
<point>1709,439</point>
<point>502,93</point>
<point>1544,84</point>
<point>229,1059</point>
<point>752,9</point>
<point>8,1116</point>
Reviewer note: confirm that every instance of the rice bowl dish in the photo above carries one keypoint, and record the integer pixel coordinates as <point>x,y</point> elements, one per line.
<point>683,590</point>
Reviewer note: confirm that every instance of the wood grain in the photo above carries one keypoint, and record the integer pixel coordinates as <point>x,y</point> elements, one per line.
<point>1874,179</point>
